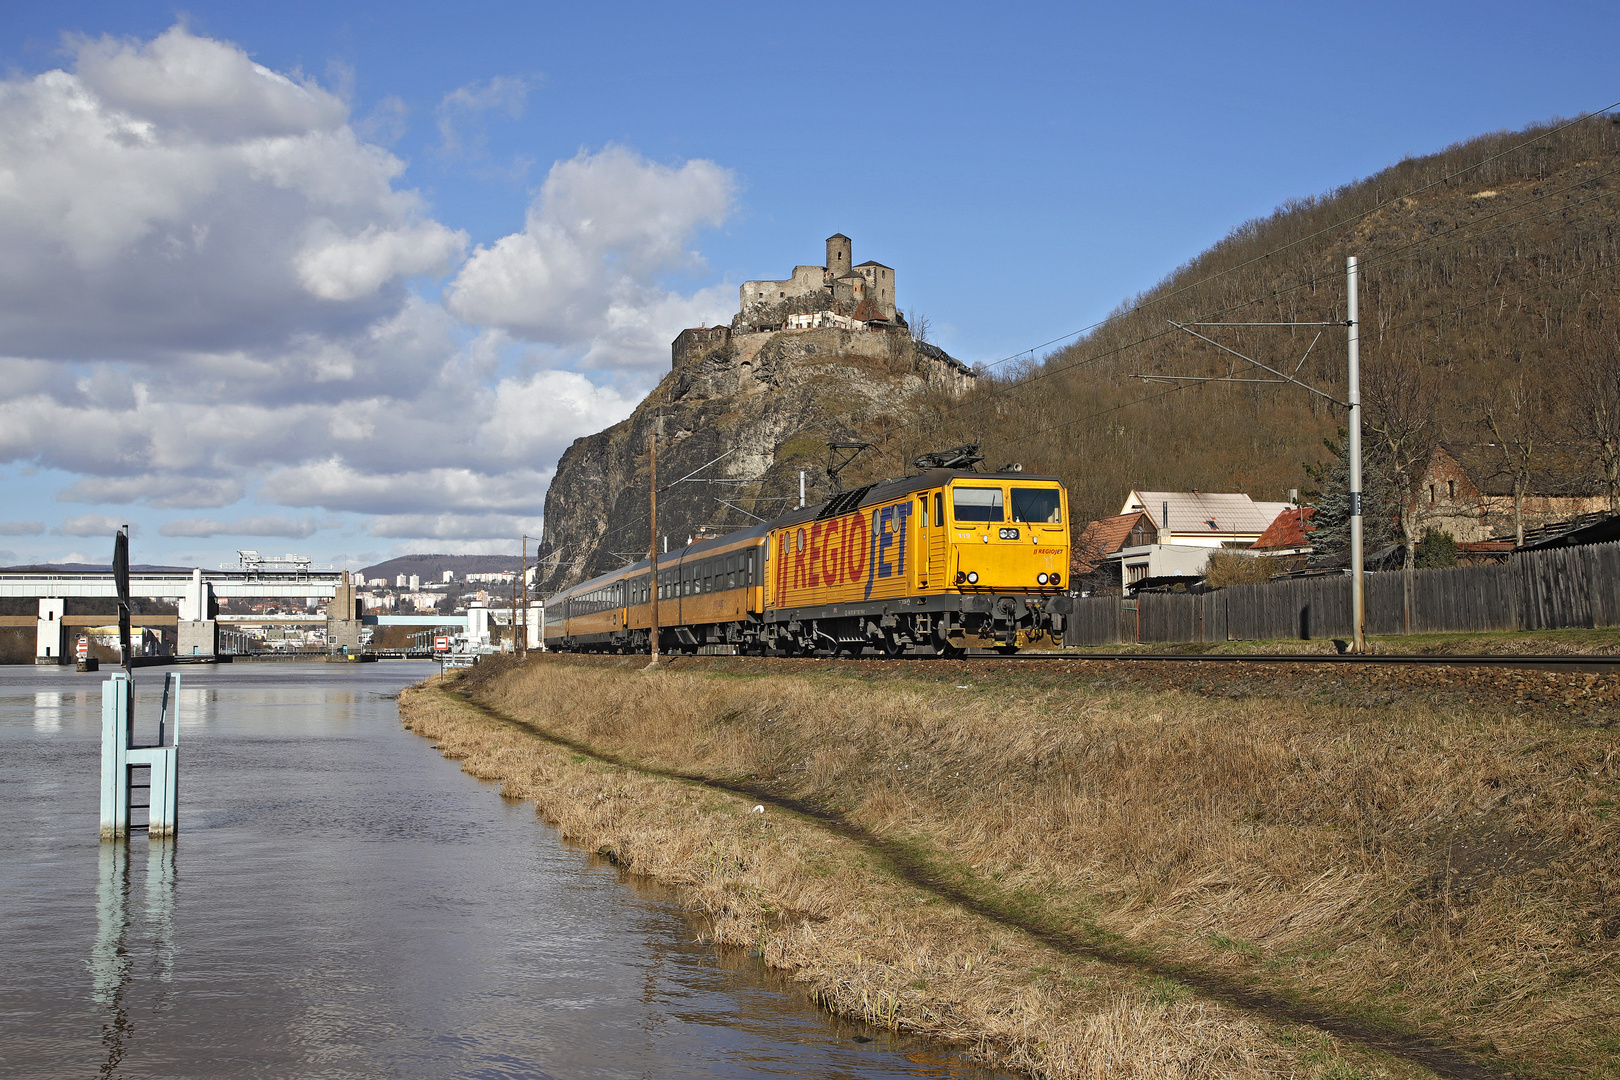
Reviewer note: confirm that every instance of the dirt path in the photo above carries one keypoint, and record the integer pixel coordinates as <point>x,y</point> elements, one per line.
<point>915,869</point>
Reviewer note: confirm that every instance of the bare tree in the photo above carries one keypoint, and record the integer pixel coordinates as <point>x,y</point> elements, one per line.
<point>1517,418</point>
<point>1402,406</point>
<point>920,326</point>
<point>1595,409</point>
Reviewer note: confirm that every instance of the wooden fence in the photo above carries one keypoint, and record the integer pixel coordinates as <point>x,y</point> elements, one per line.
<point>1535,590</point>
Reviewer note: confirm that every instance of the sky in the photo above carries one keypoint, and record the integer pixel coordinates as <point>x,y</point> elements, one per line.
<point>345,279</point>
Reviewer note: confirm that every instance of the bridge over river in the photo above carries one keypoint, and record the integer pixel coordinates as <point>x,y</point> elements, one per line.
<point>196,591</point>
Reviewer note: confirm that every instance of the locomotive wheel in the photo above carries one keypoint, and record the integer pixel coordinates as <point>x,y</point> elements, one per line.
<point>893,647</point>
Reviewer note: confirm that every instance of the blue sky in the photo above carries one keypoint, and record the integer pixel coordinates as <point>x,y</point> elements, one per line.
<point>354,301</point>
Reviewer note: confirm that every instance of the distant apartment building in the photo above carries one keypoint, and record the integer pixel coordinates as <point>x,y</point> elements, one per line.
<point>449,576</point>
<point>415,582</point>
<point>399,582</point>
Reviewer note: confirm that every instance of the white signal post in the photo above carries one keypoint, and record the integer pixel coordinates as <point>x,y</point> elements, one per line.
<point>652,538</point>
<point>1358,567</point>
<point>1352,323</point>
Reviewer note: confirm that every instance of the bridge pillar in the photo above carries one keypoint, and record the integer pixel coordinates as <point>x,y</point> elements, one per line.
<point>343,618</point>
<point>50,638</point>
<point>197,633</point>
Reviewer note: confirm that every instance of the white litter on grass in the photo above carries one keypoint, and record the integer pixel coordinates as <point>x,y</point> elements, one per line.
<point>964,687</point>
<point>759,809</point>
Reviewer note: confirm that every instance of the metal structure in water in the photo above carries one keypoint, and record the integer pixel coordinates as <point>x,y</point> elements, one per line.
<point>121,757</point>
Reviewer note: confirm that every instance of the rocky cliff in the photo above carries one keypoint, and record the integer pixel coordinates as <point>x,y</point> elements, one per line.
<point>768,402</point>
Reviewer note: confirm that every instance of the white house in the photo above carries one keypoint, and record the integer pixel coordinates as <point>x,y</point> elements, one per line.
<point>1186,528</point>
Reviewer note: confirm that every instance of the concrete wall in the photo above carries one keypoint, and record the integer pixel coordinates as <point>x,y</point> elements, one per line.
<point>197,638</point>
<point>50,638</point>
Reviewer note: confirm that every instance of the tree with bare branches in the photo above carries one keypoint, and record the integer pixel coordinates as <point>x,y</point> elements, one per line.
<point>1595,407</point>
<point>1402,403</point>
<point>1517,415</point>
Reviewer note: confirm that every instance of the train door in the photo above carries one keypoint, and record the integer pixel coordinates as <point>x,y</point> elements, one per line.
<point>938,539</point>
<point>922,546</point>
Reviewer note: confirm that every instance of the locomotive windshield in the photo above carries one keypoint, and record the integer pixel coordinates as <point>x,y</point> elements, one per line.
<point>1037,506</point>
<point>977,504</point>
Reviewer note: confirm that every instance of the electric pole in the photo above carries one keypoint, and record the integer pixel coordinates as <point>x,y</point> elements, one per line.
<point>652,538</point>
<point>1358,585</point>
<point>1352,402</point>
<point>523,577</point>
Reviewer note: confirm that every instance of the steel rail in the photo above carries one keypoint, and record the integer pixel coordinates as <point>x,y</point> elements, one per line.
<point>1605,664</point>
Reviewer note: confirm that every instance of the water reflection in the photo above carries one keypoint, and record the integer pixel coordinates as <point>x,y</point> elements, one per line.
<point>354,906</point>
<point>48,710</point>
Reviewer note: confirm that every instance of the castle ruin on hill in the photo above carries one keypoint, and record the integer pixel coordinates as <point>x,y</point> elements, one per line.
<point>858,302</point>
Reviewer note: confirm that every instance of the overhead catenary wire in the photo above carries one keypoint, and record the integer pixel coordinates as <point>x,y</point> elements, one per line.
<point>1457,233</point>
<point>1323,231</point>
<point>992,400</point>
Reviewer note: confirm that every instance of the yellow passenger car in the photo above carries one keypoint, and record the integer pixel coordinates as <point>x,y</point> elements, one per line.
<point>928,565</point>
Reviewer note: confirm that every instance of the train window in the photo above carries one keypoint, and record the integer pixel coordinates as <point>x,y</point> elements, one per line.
<point>731,573</point>
<point>939,507</point>
<point>922,510</point>
<point>976,504</point>
<point>801,540</point>
<point>1039,506</point>
<point>750,562</point>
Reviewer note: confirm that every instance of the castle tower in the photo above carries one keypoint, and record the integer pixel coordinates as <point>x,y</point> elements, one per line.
<point>838,256</point>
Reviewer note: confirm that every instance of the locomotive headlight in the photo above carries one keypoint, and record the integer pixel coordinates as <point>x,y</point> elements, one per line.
<point>973,577</point>
<point>1041,578</point>
<point>1057,579</point>
<point>960,577</point>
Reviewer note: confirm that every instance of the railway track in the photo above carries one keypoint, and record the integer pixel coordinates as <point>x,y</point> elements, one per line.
<point>1596,665</point>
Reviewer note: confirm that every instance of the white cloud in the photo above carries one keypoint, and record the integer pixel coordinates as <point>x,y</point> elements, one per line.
<point>168,492</point>
<point>174,196</point>
<point>459,129</point>
<point>212,287</point>
<point>386,123</point>
<point>352,267</point>
<point>337,486</point>
<point>507,527</point>
<point>603,232</point>
<point>21,528</point>
<point>94,525</point>
<point>536,417</point>
<point>262,525</point>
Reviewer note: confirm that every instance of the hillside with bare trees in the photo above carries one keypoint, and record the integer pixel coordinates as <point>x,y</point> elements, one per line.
<point>1488,312</point>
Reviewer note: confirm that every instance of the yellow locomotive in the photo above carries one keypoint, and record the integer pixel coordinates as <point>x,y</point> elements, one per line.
<point>931,564</point>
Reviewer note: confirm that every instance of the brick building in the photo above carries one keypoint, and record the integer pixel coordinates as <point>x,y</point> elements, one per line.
<point>1466,489</point>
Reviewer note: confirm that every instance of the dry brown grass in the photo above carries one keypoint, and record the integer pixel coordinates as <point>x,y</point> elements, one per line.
<point>865,944</point>
<point>1428,871</point>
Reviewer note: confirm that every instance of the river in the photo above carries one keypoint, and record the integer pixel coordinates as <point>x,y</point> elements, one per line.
<point>343,902</point>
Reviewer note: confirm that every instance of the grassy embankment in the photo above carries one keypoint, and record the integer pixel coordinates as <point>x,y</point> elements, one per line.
<point>1574,642</point>
<point>1082,879</point>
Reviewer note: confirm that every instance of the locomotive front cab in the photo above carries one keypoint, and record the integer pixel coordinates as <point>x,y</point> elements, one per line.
<point>1007,536</point>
